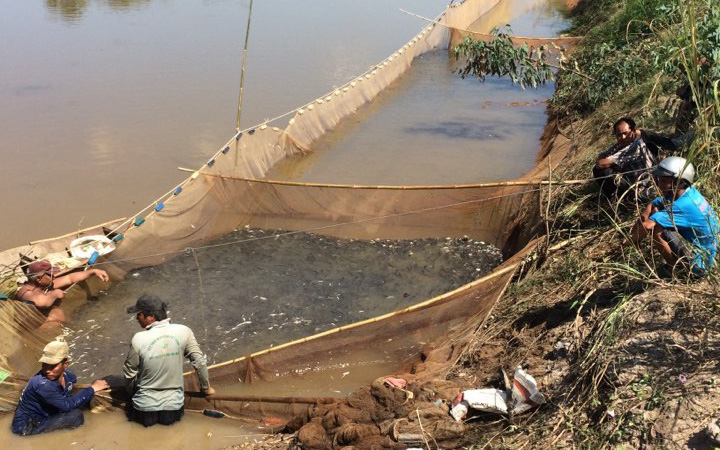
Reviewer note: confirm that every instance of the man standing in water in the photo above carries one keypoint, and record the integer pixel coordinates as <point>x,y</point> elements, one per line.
<point>154,366</point>
<point>45,403</point>
<point>44,290</point>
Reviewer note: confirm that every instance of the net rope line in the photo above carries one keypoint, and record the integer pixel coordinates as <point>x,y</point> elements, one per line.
<point>403,187</point>
<point>324,227</point>
<point>489,35</point>
<point>202,293</point>
<point>559,183</point>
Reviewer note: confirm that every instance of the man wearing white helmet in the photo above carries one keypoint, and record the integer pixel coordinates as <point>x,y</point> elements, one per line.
<point>45,403</point>
<point>683,224</point>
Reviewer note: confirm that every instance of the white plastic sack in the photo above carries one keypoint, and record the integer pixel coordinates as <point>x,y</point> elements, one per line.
<point>525,392</point>
<point>488,400</point>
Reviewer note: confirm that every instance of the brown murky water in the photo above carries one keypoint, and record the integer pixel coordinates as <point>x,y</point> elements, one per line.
<point>100,100</point>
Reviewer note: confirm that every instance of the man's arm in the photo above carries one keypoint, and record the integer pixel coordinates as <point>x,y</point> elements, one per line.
<point>199,362</point>
<point>606,159</point>
<point>655,140</point>
<point>649,210</point>
<point>52,394</point>
<point>130,369</point>
<point>42,300</point>
<point>76,277</point>
<point>604,163</point>
<point>643,226</point>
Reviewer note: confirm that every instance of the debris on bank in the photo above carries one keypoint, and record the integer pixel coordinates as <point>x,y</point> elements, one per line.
<point>397,412</point>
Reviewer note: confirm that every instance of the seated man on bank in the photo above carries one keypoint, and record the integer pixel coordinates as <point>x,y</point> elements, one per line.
<point>629,160</point>
<point>682,223</point>
<point>44,289</point>
<point>46,404</point>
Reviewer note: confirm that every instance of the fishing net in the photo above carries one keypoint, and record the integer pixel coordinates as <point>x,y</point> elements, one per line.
<point>21,333</point>
<point>229,193</point>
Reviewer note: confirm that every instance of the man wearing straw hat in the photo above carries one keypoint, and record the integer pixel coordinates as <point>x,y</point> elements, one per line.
<point>45,403</point>
<point>44,289</point>
<point>154,366</point>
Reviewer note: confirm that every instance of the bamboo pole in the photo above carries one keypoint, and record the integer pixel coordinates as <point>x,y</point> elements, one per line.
<point>244,61</point>
<point>84,230</point>
<point>401,188</point>
<point>256,398</point>
<point>418,306</point>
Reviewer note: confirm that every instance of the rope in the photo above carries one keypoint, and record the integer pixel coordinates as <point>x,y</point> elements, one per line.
<point>391,187</point>
<point>310,230</point>
<point>202,291</point>
<point>487,35</point>
<point>324,227</point>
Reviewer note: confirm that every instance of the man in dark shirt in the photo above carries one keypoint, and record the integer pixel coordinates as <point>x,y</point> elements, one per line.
<point>627,163</point>
<point>45,403</point>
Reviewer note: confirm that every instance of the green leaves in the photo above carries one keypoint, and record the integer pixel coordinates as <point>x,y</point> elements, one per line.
<point>524,65</point>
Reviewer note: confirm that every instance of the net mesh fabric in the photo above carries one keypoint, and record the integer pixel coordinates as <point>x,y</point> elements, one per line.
<point>229,193</point>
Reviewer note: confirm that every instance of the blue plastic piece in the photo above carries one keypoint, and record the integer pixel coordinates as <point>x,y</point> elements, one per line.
<point>159,206</point>
<point>118,238</point>
<point>178,190</point>
<point>225,150</point>
<point>211,163</point>
<point>139,221</point>
<point>93,258</point>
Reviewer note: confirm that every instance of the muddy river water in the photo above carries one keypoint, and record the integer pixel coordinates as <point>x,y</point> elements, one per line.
<point>100,100</point>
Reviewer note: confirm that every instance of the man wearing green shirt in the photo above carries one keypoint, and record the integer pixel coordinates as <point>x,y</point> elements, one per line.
<point>153,368</point>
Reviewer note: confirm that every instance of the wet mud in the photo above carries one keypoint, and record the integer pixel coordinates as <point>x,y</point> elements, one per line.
<point>254,289</point>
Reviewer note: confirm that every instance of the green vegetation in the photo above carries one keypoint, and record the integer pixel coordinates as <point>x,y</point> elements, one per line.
<point>596,293</point>
<point>499,57</point>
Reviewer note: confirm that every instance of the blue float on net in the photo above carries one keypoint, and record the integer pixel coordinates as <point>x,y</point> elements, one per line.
<point>159,206</point>
<point>139,221</point>
<point>211,163</point>
<point>251,132</point>
<point>93,258</point>
<point>118,238</point>
<point>225,150</point>
<point>177,190</point>
<point>239,135</point>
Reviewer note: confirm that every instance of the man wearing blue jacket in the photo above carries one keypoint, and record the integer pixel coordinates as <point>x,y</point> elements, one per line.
<point>683,225</point>
<point>45,403</point>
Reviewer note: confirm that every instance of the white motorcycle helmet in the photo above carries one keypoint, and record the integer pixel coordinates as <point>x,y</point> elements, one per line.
<point>676,167</point>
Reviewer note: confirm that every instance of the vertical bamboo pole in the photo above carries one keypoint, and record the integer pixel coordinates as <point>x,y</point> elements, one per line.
<point>244,61</point>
